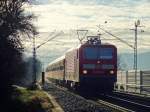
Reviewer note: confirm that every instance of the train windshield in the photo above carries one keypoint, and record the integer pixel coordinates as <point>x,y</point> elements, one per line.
<point>98,53</point>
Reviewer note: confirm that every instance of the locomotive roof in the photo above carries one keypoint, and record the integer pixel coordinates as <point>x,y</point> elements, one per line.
<point>85,44</point>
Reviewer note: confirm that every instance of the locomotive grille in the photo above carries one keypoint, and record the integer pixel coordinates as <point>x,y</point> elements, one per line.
<point>89,66</point>
<point>98,66</point>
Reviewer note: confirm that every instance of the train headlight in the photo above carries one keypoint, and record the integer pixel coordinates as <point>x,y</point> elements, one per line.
<point>84,71</point>
<point>111,72</point>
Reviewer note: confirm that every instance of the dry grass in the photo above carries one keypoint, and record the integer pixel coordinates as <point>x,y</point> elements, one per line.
<point>26,100</point>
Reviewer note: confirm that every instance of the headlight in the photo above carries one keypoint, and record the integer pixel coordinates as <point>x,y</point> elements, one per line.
<point>111,72</point>
<point>84,71</point>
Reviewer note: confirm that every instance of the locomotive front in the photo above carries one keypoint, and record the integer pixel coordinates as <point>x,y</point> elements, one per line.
<point>98,65</point>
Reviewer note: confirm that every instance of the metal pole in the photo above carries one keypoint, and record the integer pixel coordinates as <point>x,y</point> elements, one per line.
<point>141,82</point>
<point>34,62</point>
<point>135,53</point>
<point>43,78</point>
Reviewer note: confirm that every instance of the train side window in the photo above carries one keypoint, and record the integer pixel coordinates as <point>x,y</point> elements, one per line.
<point>61,67</point>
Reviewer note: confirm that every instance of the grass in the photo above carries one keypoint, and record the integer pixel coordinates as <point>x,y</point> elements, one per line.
<point>26,100</point>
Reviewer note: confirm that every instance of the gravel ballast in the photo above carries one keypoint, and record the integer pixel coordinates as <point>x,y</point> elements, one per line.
<point>71,102</point>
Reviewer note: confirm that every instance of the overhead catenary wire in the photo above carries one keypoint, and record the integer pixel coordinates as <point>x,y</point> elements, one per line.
<point>48,40</point>
<point>116,37</point>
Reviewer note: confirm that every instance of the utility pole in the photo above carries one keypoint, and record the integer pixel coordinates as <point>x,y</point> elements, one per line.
<point>135,67</point>
<point>135,47</point>
<point>34,62</point>
<point>34,56</point>
<point>137,23</point>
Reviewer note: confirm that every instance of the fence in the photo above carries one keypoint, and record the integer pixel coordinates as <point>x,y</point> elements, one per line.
<point>130,82</point>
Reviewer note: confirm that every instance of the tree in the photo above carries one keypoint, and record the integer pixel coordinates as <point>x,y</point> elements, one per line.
<point>14,25</point>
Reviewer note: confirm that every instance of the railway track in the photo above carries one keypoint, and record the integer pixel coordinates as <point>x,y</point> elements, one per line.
<point>113,106</point>
<point>98,101</point>
<point>96,105</point>
<point>134,97</point>
<point>125,102</point>
<point>116,102</point>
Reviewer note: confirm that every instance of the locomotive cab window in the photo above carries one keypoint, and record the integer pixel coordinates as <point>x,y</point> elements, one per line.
<point>105,53</point>
<point>98,53</point>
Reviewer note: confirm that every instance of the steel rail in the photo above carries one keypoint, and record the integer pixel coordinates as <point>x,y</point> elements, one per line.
<point>113,106</point>
<point>125,100</point>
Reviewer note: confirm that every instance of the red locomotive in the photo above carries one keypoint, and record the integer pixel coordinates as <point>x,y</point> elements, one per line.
<point>91,65</point>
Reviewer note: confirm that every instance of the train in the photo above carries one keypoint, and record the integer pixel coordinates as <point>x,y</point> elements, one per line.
<point>91,65</point>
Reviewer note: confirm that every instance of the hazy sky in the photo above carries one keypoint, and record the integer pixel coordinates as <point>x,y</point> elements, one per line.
<point>66,14</point>
<point>69,15</point>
